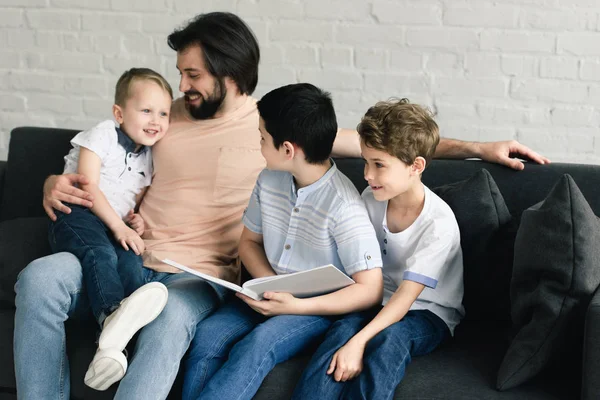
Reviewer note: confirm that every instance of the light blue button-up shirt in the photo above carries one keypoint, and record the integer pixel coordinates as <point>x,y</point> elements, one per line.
<point>323,223</point>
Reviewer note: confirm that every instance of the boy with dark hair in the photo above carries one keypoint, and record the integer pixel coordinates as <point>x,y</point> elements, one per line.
<point>303,214</point>
<point>422,265</point>
<point>106,238</point>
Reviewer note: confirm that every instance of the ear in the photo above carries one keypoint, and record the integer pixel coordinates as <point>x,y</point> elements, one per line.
<point>289,149</point>
<point>118,113</point>
<point>418,166</point>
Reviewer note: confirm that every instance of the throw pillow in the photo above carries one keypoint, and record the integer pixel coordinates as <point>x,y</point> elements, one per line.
<point>482,217</point>
<point>555,273</point>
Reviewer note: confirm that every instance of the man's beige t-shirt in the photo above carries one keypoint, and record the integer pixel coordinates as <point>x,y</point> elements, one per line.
<point>204,173</point>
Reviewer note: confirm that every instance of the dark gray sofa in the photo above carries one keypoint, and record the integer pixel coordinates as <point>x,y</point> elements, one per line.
<point>464,368</point>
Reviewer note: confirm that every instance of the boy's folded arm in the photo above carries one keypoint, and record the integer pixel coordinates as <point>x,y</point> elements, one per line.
<point>365,293</point>
<point>252,254</point>
<point>393,311</point>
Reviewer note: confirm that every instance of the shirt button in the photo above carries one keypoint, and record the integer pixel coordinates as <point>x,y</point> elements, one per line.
<point>287,247</point>
<point>129,168</point>
<point>368,257</point>
<point>384,251</point>
<point>129,155</point>
<point>296,209</point>
<point>385,241</point>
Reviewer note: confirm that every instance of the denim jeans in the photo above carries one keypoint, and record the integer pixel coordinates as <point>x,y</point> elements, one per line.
<point>51,290</point>
<point>110,272</point>
<point>385,359</point>
<point>236,347</point>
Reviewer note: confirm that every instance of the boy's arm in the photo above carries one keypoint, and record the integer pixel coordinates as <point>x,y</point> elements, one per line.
<point>89,165</point>
<point>252,254</point>
<point>347,144</point>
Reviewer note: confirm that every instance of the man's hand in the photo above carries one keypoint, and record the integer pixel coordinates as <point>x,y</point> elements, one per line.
<point>135,222</point>
<point>59,188</point>
<point>501,153</point>
<point>273,304</point>
<point>347,362</point>
<point>127,237</point>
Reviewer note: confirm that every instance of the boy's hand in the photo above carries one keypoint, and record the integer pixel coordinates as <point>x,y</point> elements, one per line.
<point>127,237</point>
<point>274,303</point>
<point>135,222</point>
<point>347,361</point>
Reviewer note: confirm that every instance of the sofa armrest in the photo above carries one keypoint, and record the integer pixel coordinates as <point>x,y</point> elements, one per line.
<point>590,385</point>
<point>2,174</point>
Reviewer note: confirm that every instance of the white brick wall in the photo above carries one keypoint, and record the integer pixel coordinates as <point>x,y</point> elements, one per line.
<point>492,70</point>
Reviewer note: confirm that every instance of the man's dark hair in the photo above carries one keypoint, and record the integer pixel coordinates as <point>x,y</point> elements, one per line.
<point>301,114</point>
<point>228,44</point>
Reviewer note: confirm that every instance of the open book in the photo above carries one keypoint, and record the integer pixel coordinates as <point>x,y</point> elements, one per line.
<point>313,282</point>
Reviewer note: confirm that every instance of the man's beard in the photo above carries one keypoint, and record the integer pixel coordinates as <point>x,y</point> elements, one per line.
<point>210,105</point>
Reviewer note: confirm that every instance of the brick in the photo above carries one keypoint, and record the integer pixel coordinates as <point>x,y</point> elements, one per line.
<point>336,56</point>
<point>139,5</point>
<point>512,41</point>
<point>451,110</point>
<point>445,38</point>
<point>82,42</point>
<point>485,15</point>
<point>488,133</point>
<point>371,59</point>
<point>99,22</point>
<point>276,76</point>
<point>11,102</point>
<point>349,120</point>
<point>556,140</point>
<point>366,35</point>
<point>11,18</point>
<point>81,4</point>
<point>301,31</point>
<point>460,87</point>
<point>271,55</point>
<point>331,79</point>
<point>445,63</point>
<point>590,70</point>
<point>36,82</point>
<point>75,122</point>
<point>53,20</point>
<point>549,90</point>
<point>483,64</point>
<point>289,9</point>
<point>572,116</point>
<point>407,13</point>
<point>204,6</point>
<point>20,38</point>
<point>520,66</point>
<point>9,59</point>
<point>353,101</point>
<point>301,56</point>
<point>118,65</point>
<point>73,62</point>
<point>98,108</point>
<point>358,11</point>
<point>55,104</point>
<point>107,44</point>
<point>49,40</point>
<point>460,130</point>
<point>512,113</point>
<point>394,84</point>
<point>87,86</point>
<point>24,4</point>
<point>558,20</point>
<point>161,23</point>
<point>579,43</point>
<point>406,60</point>
<point>138,43</point>
<point>259,28</point>
<point>559,67</point>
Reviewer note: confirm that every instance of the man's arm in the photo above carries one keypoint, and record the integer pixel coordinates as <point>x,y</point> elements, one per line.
<point>59,188</point>
<point>347,144</point>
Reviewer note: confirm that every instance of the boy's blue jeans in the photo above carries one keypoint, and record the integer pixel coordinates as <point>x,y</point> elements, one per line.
<point>110,273</point>
<point>385,359</point>
<point>235,348</point>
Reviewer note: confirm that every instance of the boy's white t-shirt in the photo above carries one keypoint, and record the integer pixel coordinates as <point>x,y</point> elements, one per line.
<point>123,174</point>
<point>427,252</point>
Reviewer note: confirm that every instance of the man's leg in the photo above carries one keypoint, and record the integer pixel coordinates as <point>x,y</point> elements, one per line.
<point>387,354</point>
<point>276,340</point>
<point>215,336</point>
<point>49,291</point>
<point>162,343</point>
<point>314,382</point>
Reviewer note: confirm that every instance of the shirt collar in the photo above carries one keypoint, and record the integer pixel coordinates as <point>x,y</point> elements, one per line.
<point>316,185</point>
<point>128,144</point>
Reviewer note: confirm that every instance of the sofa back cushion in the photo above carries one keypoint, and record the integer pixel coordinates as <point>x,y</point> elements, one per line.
<point>33,154</point>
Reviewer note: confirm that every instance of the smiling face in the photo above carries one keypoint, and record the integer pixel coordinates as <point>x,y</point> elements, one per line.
<point>145,115</point>
<point>387,176</point>
<point>204,93</point>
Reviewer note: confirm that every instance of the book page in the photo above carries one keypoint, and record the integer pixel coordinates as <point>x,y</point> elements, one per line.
<point>206,277</point>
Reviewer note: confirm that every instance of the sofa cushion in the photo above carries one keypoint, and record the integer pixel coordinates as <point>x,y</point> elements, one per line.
<point>483,220</point>
<point>22,240</point>
<point>556,270</point>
